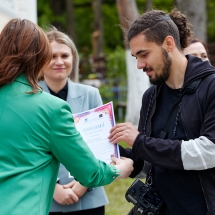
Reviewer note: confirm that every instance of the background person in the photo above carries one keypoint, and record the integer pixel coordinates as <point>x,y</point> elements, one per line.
<point>197,48</point>
<point>181,154</point>
<point>64,64</point>
<point>37,130</point>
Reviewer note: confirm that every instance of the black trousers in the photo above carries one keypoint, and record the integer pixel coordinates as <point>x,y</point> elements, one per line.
<point>94,211</point>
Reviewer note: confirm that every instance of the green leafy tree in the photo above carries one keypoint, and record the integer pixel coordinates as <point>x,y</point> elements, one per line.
<point>211,21</point>
<point>112,33</point>
<point>113,38</point>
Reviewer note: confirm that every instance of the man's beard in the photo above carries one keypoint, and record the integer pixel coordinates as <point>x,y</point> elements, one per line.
<point>167,63</point>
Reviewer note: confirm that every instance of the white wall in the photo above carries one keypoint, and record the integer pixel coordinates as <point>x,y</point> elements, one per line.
<point>24,9</point>
<point>27,9</point>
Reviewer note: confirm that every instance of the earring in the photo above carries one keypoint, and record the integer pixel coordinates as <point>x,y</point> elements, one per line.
<point>41,77</point>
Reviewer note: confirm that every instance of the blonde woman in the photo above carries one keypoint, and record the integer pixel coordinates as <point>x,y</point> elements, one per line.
<point>59,80</point>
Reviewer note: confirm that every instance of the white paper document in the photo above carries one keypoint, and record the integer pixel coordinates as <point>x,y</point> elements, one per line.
<point>94,125</point>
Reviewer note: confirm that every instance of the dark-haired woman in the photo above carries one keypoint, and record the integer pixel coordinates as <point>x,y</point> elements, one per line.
<point>197,48</point>
<point>37,130</point>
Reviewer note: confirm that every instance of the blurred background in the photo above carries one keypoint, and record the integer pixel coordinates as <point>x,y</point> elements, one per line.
<point>105,58</point>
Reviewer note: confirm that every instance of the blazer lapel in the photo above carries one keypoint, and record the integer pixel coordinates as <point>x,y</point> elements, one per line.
<point>74,97</point>
<point>44,86</point>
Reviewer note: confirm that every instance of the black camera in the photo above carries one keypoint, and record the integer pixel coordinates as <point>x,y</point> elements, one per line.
<point>145,199</point>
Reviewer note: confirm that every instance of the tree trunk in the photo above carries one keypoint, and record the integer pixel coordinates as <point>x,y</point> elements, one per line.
<point>149,4</point>
<point>197,15</point>
<point>57,8</point>
<point>97,36</point>
<point>70,18</point>
<point>127,13</point>
<point>138,81</point>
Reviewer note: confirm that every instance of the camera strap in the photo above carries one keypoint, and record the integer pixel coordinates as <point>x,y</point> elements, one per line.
<point>174,111</point>
<point>149,176</point>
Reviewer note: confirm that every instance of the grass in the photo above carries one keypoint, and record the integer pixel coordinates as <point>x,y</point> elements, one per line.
<point>116,195</point>
<point>118,205</point>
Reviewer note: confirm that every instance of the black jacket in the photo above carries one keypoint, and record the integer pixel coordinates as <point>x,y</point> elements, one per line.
<point>198,118</point>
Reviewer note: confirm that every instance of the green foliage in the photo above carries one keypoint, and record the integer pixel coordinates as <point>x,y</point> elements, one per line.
<point>211,21</point>
<point>157,4</point>
<point>166,5</point>
<point>114,86</point>
<point>116,76</point>
<point>84,24</point>
<point>118,205</point>
<point>112,33</point>
<point>106,92</point>
<point>44,13</point>
<point>85,65</point>
<point>116,68</point>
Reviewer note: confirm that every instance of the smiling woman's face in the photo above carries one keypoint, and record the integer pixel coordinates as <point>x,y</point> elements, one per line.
<point>197,49</point>
<point>60,66</point>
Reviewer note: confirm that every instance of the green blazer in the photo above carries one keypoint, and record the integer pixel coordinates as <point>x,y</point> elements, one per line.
<point>80,98</point>
<point>37,132</point>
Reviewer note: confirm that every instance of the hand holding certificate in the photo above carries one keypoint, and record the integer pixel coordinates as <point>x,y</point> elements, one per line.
<point>94,125</point>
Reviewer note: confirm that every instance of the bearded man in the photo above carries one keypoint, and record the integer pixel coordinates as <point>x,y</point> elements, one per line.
<point>176,132</point>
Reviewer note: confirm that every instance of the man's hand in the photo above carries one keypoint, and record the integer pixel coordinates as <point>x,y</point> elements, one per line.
<point>125,165</point>
<point>76,187</point>
<point>123,132</point>
<point>64,196</point>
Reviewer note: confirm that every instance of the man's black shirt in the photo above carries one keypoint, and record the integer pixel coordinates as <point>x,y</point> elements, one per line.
<point>180,189</point>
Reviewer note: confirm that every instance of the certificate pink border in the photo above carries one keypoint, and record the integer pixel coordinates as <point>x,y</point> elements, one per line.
<point>105,109</point>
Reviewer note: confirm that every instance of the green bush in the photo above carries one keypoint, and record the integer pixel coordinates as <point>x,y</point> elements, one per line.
<point>114,88</point>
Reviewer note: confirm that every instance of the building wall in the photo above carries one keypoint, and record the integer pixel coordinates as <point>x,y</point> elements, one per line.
<point>24,9</point>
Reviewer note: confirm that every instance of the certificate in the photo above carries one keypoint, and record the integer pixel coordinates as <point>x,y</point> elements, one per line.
<point>94,126</point>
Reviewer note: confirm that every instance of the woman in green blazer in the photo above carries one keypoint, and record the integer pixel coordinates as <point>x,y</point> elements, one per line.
<point>37,130</point>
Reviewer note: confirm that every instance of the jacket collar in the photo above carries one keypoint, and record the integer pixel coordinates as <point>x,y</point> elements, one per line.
<point>73,91</point>
<point>196,69</point>
<point>74,97</point>
<point>22,79</point>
